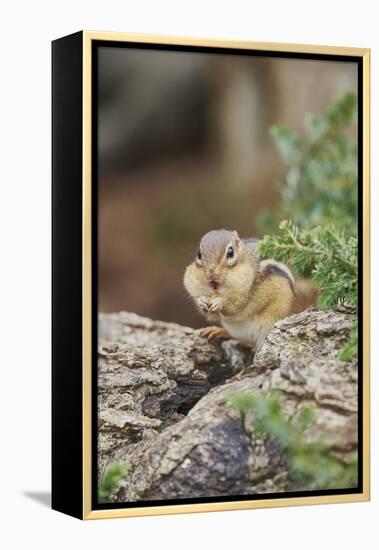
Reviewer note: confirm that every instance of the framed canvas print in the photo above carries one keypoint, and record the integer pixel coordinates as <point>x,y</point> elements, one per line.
<point>210,275</point>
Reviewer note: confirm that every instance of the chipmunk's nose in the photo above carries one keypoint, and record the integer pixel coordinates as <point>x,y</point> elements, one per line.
<point>211,273</point>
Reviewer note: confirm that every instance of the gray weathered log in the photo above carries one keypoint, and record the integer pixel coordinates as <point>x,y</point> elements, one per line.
<point>151,373</point>
<point>162,411</point>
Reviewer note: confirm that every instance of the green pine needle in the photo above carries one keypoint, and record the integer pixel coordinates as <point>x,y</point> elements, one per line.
<point>310,463</point>
<point>350,350</point>
<point>110,480</point>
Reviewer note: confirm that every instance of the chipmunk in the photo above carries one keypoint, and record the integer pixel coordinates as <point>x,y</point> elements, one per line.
<point>229,284</point>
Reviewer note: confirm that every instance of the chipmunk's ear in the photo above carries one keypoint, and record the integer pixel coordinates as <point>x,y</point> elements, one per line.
<point>236,239</point>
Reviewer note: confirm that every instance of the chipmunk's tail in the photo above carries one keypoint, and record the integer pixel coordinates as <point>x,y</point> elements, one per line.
<point>306,295</point>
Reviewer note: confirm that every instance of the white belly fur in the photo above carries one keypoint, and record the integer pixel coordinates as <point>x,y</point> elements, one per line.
<point>250,332</point>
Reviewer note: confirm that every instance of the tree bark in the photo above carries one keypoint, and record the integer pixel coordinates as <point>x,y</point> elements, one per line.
<point>162,411</point>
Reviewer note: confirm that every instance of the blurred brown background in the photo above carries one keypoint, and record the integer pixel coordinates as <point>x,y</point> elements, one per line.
<point>184,147</point>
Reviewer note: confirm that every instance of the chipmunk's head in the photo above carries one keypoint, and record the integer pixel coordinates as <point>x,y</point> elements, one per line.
<point>223,263</point>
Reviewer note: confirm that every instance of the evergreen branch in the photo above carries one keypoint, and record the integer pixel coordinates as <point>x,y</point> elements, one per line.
<point>325,254</point>
<point>321,182</point>
<point>350,350</point>
<point>309,462</point>
<point>110,480</point>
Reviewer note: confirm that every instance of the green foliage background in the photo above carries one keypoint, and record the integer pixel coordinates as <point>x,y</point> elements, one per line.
<point>319,206</point>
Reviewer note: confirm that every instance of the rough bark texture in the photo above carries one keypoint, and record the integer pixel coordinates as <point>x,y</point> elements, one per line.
<point>162,391</point>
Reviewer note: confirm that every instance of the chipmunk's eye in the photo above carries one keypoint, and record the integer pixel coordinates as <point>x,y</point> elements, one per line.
<point>230,253</point>
<point>199,256</point>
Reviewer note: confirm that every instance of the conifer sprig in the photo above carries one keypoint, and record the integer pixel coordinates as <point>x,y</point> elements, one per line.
<point>110,480</point>
<point>322,170</point>
<point>310,463</point>
<point>326,254</point>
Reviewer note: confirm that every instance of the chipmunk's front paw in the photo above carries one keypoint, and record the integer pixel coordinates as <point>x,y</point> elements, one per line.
<point>214,333</point>
<point>203,303</point>
<point>214,304</point>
